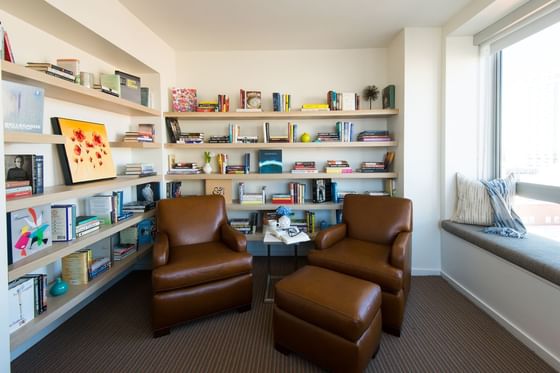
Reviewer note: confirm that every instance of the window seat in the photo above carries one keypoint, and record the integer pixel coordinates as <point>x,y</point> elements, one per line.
<point>536,254</point>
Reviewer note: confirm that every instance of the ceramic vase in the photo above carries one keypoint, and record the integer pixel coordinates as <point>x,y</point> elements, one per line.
<point>207,168</point>
<point>60,287</point>
<point>284,222</point>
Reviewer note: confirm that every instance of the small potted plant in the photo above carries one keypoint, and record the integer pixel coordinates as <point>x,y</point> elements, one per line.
<point>207,168</point>
<point>284,213</point>
<point>371,93</point>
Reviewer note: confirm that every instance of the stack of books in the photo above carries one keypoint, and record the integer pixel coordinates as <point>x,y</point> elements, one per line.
<point>310,221</point>
<point>315,107</point>
<point>282,199</point>
<point>219,139</point>
<point>338,167</point>
<point>24,175</point>
<point>236,169</point>
<point>251,198</point>
<point>304,167</point>
<point>207,106</point>
<point>53,70</point>
<point>191,138</point>
<point>184,168</point>
<point>328,137</point>
<point>247,139</point>
<point>243,225</point>
<point>223,103</point>
<point>346,101</point>
<point>297,192</point>
<point>281,101</point>
<point>121,251</point>
<point>98,266</point>
<point>139,169</point>
<point>15,189</point>
<point>372,167</point>
<point>139,206</point>
<point>86,225</point>
<point>374,135</point>
<point>80,267</point>
<point>145,133</point>
<point>173,189</point>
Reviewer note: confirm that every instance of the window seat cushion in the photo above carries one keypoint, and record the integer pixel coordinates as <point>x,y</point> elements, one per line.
<point>536,254</point>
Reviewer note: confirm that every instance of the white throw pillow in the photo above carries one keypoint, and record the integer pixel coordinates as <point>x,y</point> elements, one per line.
<point>473,203</point>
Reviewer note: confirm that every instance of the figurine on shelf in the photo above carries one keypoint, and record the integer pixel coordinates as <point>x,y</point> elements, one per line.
<point>284,213</point>
<point>60,287</point>
<point>207,168</point>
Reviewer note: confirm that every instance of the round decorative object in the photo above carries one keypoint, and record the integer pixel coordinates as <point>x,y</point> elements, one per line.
<point>306,137</point>
<point>284,222</point>
<point>60,287</point>
<point>207,168</point>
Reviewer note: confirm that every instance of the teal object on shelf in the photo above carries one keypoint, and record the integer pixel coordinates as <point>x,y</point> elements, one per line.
<point>60,287</point>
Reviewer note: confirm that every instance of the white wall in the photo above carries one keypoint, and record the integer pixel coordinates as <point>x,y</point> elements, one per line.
<point>422,128</point>
<point>4,335</point>
<point>461,113</point>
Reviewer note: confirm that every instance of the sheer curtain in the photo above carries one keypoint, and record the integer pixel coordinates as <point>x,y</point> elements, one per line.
<point>486,148</point>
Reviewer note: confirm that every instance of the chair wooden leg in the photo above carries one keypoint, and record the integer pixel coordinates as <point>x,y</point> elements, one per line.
<point>283,350</point>
<point>392,331</point>
<point>376,351</point>
<point>161,332</point>
<point>244,308</point>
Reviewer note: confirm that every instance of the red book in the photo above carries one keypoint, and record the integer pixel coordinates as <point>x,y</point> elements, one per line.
<point>18,194</point>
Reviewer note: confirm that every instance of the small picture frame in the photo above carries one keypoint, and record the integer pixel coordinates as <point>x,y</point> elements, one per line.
<point>173,129</point>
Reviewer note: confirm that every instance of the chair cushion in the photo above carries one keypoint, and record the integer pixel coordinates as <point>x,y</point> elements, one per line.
<point>197,264</point>
<point>365,260</point>
<point>341,304</point>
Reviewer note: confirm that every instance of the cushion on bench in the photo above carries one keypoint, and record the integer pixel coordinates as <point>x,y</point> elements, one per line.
<point>536,254</point>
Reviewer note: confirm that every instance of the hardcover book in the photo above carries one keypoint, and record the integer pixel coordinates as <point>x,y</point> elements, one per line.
<point>23,107</point>
<point>253,100</point>
<point>29,231</point>
<point>63,219</point>
<point>25,167</point>
<point>389,97</point>
<point>270,161</point>
<point>21,302</point>
<point>146,231</point>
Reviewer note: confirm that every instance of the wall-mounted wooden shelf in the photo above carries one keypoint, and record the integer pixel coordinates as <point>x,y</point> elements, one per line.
<point>75,93</point>
<point>356,114</point>
<point>236,206</point>
<point>58,306</point>
<point>135,145</point>
<point>64,192</point>
<point>285,145</point>
<point>32,138</point>
<point>59,249</point>
<point>283,176</point>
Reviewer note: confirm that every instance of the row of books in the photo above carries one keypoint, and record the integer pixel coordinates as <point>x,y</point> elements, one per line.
<point>289,138</point>
<point>346,101</point>
<point>304,167</point>
<point>24,175</point>
<point>27,298</point>
<point>251,198</point>
<point>53,70</point>
<point>80,267</point>
<point>281,102</point>
<point>173,189</point>
<point>315,107</point>
<point>338,167</point>
<point>374,135</point>
<point>121,251</point>
<point>245,225</point>
<point>295,195</point>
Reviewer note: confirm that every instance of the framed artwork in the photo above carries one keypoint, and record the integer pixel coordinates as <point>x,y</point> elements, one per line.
<point>85,154</point>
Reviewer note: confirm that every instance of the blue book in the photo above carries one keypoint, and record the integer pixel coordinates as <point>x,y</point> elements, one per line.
<point>270,161</point>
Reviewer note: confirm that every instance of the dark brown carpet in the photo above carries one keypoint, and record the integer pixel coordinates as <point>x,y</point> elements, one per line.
<point>443,332</point>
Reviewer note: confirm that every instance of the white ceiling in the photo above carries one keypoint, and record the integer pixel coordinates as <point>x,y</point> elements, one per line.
<point>188,25</point>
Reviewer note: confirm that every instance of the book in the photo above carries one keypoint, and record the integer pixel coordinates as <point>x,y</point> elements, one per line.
<point>110,83</point>
<point>173,129</point>
<point>101,206</point>
<point>146,231</point>
<point>8,52</point>
<point>22,167</point>
<point>63,222</point>
<point>183,99</point>
<point>75,268</point>
<point>270,161</point>
<point>21,302</point>
<point>128,236</point>
<point>388,97</point>
<point>23,107</point>
<point>29,231</point>
<point>253,100</point>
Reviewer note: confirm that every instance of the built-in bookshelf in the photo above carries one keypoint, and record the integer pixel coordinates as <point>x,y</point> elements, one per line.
<point>73,93</point>
<point>287,145</point>
<point>292,115</point>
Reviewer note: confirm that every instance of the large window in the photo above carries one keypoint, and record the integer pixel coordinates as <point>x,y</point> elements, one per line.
<point>529,123</point>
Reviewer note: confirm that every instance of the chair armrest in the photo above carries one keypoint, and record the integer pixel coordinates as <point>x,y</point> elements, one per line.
<point>328,237</point>
<point>234,239</point>
<point>400,251</point>
<point>160,253</point>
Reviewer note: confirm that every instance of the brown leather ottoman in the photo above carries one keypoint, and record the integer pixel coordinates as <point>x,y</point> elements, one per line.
<point>330,318</point>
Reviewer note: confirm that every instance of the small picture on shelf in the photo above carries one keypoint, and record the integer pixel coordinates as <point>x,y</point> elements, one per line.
<point>23,107</point>
<point>85,154</point>
<point>389,97</point>
<point>148,192</point>
<point>29,231</point>
<point>183,99</point>
<point>173,129</point>
<point>270,161</point>
<point>253,100</point>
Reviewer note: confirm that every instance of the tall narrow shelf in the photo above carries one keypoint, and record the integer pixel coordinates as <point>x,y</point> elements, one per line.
<point>75,93</point>
<point>58,306</point>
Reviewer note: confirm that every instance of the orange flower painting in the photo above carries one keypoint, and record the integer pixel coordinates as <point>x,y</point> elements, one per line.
<point>85,155</point>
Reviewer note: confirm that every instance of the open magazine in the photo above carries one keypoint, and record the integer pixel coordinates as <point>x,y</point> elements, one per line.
<point>288,236</point>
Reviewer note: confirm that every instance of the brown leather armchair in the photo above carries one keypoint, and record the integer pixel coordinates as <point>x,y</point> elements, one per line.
<point>200,263</point>
<point>373,243</point>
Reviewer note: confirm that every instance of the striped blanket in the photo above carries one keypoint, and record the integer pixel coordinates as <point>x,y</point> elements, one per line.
<point>506,222</point>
